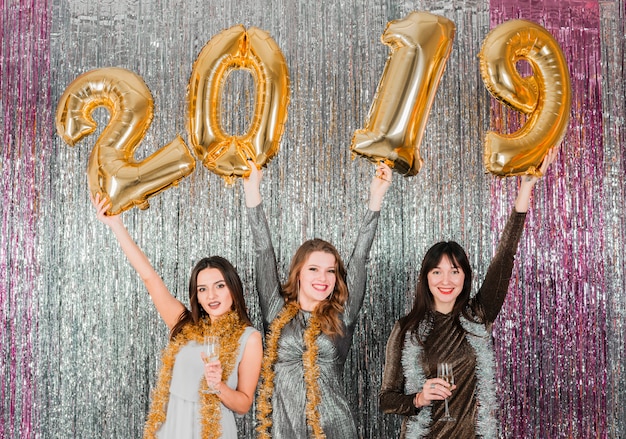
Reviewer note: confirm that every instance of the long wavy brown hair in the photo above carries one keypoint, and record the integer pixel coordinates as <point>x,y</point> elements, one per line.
<point>328,311</point>
<point>233,282</point>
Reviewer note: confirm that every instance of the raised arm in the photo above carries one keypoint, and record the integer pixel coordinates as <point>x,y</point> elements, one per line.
<point>168,307</point>
<point>379,186</point>
<point>496,284</point>
<point>267,281</point>
<point>252,186</point>
<point>357,264</point>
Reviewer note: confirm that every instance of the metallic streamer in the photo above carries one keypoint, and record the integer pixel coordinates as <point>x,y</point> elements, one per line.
<point>80,339</point>
<point>24,118</point>
<point>612,66</point>
<point>547,338</point>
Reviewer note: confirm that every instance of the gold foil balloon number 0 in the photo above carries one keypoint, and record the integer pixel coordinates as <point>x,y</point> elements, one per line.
<point>112,169</point>
<point>255,51</point>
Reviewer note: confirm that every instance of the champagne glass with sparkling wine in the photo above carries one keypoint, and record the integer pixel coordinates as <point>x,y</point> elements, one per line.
<point>444,371</point>
<point>212,351</point>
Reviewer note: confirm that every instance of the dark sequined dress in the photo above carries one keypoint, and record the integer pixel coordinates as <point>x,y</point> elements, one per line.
<point>450,342</point>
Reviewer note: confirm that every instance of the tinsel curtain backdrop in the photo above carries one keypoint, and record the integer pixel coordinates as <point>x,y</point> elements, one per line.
<point>80,340</point>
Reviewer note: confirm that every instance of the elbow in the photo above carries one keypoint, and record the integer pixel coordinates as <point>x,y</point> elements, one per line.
<point>244,408</point>
<point>383,403</point>
<point>386,410</point>
<point>243,412</point>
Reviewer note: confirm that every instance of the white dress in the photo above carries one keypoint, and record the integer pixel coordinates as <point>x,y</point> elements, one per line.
<point>183,409</point>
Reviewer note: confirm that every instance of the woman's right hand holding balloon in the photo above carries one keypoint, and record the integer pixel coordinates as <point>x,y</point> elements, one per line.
<point>252,185</point>
<point>102,205</point>
<point>379,185</point>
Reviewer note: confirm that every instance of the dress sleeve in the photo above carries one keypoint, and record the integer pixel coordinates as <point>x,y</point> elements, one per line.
<point>391,397</point>
<point>266,271</point>
<point>356,269</point>
<point>492,293</point>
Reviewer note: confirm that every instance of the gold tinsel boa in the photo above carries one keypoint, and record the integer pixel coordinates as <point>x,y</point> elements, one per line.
<point>311,372</point>
<point>229,329</point>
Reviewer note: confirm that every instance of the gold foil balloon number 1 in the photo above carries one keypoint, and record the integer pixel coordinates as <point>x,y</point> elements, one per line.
<point>112,169</point>
<point>420,47</point>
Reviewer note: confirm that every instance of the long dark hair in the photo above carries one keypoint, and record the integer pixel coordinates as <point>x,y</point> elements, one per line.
<point>424,302</point>
<point>233,282</point>
<point>328,311</point>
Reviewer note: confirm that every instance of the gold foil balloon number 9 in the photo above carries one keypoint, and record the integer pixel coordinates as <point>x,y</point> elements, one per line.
<point>544,96</point>
<point>237,48</point>
<point>112,170</point>
<point>420,47</point>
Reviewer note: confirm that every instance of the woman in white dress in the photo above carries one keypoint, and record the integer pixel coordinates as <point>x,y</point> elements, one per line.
<point>181,404</point>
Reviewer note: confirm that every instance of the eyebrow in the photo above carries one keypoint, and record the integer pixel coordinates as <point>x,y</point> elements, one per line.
<point>214,283</point>
<point>440,268</point>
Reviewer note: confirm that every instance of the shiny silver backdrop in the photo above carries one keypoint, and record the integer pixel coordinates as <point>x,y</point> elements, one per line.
<point>80,340</point>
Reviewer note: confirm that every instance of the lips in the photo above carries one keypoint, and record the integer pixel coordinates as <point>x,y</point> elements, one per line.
<point>446,291</point>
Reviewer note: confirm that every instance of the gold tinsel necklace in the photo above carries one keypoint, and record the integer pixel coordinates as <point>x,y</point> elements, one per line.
<point>229,329</point>
<point>311,372</point>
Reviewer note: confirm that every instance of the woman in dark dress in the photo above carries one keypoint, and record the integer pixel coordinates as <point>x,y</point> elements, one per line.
<point>446,325</point>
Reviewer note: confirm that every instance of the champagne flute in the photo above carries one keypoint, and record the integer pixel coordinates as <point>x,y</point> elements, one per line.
<point>444,371</point>
<point>212,351</point>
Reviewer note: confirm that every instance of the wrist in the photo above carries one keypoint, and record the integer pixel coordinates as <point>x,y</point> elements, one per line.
<point>375,204</point>
<point>253,199</point>
<point>218,387</point>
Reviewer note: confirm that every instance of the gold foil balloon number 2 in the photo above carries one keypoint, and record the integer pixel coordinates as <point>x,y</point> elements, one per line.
<point>420,47</point>
<point>112,169</point>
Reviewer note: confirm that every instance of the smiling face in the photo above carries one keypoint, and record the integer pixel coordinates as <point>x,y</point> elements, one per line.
<point>214,296</point>
<point>317,279</point>
<point>445,282</point>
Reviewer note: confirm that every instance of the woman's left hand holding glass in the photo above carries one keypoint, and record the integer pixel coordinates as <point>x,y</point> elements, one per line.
<point>212,373</point>
<point>435,389</point>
